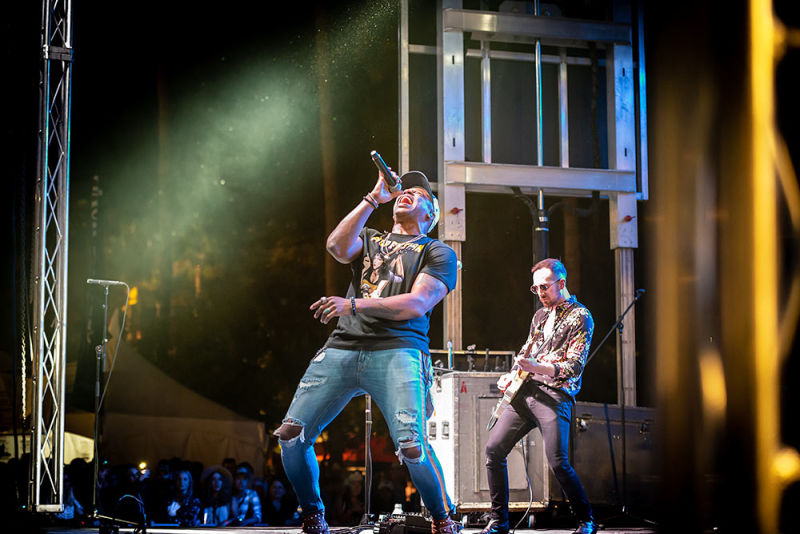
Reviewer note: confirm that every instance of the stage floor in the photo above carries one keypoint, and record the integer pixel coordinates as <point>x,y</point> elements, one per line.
<point>336,530</point>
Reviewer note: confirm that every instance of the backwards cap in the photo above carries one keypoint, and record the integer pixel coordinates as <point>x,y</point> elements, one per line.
<point>418,179</point>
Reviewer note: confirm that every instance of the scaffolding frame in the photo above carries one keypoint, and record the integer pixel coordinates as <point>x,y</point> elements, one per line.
<point>624,182</point>
<point>49,281</point>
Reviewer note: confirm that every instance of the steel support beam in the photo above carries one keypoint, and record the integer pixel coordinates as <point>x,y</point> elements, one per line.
<point>403,74</point>
<point>49,289</point>
<point>499,177</point>
<point>513,27</point>
<point>450,121</point>
<point>622,211</point>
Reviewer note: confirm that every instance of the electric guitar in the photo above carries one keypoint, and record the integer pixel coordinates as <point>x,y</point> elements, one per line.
<point>517,380</point>
<point>508,395</point>
<point>519,377</point>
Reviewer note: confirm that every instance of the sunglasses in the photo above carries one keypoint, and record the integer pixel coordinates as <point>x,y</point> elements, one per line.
<point>541,288</point>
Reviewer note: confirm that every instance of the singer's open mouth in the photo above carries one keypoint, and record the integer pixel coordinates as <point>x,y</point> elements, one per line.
<point>406,200</point>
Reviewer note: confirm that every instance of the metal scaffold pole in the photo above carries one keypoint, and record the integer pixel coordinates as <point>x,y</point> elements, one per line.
<point>48,292</point>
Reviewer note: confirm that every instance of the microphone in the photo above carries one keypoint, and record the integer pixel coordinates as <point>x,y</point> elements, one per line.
<point>105,282</point>
<point>639,293</point>
<point>388,177</point>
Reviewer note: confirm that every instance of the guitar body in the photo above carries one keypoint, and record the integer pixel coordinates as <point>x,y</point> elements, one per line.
<point>508,395</point>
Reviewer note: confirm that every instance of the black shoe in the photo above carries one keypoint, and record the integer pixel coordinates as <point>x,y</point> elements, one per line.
<point>495,526</point>
<point>586,527</point>
<point>445,526</point>
<point>314,523</point>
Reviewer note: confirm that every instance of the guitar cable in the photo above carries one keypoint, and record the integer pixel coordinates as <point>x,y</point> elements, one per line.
<point>530,486</point>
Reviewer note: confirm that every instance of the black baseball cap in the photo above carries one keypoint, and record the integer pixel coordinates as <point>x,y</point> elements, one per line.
<point>418,179</point>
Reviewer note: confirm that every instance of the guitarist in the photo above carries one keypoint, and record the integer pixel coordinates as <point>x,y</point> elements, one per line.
<point>550,363</point>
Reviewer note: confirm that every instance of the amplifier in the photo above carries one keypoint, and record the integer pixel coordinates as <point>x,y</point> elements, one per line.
<point>608,465</point>
<point>463,403</point>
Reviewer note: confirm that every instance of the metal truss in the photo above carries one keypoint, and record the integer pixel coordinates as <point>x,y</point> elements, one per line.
<point>49,291</point>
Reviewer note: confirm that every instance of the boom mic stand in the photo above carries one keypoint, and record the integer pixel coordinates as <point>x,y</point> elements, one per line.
<point>100,354</point>
<point>623,495</point>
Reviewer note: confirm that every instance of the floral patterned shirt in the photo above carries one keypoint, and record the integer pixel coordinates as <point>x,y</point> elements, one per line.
<point>566,349</point>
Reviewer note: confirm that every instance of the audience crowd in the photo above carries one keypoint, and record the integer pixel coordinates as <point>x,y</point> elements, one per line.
<point>185,493</point>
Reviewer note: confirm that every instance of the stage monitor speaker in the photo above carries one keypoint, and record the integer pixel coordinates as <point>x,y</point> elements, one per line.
<point>598,427</point>
<point>457,432</point>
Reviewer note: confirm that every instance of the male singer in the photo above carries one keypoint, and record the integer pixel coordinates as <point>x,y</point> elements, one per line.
<point>379,346</point>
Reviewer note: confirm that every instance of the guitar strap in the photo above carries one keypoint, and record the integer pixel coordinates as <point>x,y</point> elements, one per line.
<point>546,343</point>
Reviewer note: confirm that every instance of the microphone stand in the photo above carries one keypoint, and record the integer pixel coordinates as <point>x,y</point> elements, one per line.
<point>100,355</point>
<point>617,325</point>
<point>367,518</point>
<point>623,496</point>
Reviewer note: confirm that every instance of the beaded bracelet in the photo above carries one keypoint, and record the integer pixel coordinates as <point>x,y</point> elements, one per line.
<point>353,304</point>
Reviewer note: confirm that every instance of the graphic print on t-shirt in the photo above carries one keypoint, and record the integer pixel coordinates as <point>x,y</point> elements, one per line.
<point>385,266</point>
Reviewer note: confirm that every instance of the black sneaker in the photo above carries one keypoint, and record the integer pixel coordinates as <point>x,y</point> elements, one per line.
<point>495,526</point>
<point>314,523</point>
<point>445,526</point>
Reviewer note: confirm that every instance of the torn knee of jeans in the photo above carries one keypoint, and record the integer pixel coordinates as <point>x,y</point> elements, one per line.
<point>406,417</point>
<point>410,451</point>
<point>290,432</point>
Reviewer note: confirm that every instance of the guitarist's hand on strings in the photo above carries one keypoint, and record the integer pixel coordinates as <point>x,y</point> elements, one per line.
<point>505,380</point>
<point>532,366</point>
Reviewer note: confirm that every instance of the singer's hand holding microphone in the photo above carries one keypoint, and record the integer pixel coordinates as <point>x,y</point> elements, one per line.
<point>388,185</point>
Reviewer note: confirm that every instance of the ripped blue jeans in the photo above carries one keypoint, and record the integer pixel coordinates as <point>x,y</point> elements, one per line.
<point>398,381</point>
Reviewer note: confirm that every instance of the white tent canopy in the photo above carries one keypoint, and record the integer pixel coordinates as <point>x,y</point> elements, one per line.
<point>150,416</point>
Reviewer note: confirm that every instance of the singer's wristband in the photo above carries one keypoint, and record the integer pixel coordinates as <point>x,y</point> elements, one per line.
<point>353,304</point>
<point>371,200</point>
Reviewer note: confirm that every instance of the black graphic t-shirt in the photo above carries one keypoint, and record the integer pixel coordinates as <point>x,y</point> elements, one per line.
<point>388,266</point>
